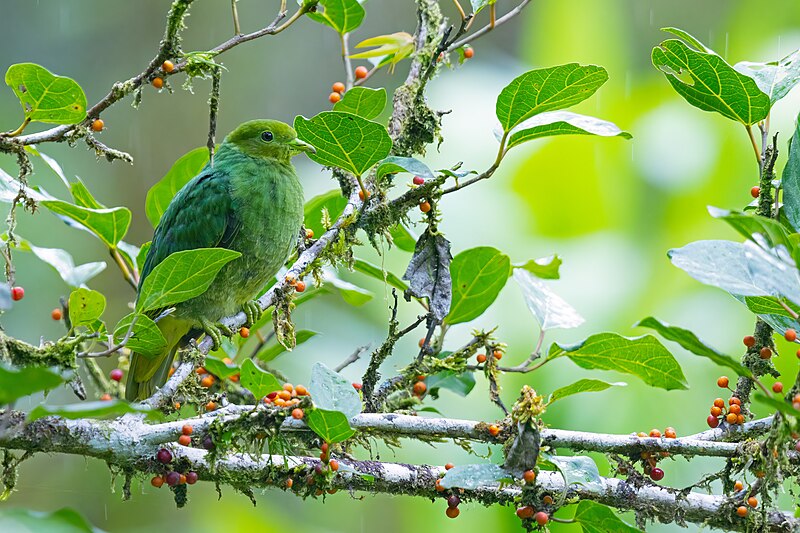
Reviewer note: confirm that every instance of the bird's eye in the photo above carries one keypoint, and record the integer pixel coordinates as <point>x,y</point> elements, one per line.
<point>266,136</point>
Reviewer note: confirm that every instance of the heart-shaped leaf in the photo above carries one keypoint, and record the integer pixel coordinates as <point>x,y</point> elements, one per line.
<point>85,306</point>
<point>342,15</point>
<point>109,225</point>
<point>146,338</point>
<point>549,308</point>
<point>259,382</point>
<point>46,97</point>
<point>332,392</point>
<point>182,171</point>
<point>362,101</point>
<point>331,426</point>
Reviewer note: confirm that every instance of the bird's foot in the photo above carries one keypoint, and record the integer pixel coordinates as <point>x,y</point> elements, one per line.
<point>253,312</point>
<point>216,331</point>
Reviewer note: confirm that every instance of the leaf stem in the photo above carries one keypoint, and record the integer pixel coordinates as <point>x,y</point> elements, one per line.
<point>460,9</point>
<point>126,272</point>
<point>19,130</point>
<point>755,145</point>
<point>236,28</point>
<point>348,66</point>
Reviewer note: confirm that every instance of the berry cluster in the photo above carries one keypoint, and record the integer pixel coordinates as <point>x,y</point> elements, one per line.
<point>650,459</point>
<point>171,477</point>
<point>420,388</point>
<point>732,414</point>
<point>298,284</point>
<point>288,397</point>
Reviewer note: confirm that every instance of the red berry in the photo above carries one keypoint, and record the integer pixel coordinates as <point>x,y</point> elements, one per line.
<point>361,73</point>
<point>184,440</point>
<point>469,52</point>
<point>656,474</point>
<point>56,314</point>
<point>173,478</point>
<point>481,358</point>
<point>712,421</point>
<point>116,374</point>
<point>541,518</point>
<point>191,478</point>
<point>765,353</point>
<point>798,354</point>
<point>334,464</point>
<point>525,512</point>
<point>777,387</point>
<point>749,341</point>
<point>722,382</point>
<point>357,386</point>
<point>157,482</point>
<point>324,447</point>
<point>300,286</point>
<point>449,466</point>
<point>297,413</point>
<point>164,456</point>
<point>453,501</point>
<point>418,180</point>
<point>755,191</point>
<point>17,293</point>
<point>98,125</point>
<point>187,429</point>
<point>797,446</point>
<point>420,388</point>
<point>790,335</point>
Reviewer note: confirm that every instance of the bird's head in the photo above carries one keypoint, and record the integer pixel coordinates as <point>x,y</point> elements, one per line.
<point>269,139</point>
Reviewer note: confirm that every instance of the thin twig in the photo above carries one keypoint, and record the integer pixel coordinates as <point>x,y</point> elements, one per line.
<point>489,27</point>
<point>348,65</point>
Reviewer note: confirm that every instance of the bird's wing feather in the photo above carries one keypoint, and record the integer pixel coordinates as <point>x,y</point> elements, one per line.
<point>200,216</point>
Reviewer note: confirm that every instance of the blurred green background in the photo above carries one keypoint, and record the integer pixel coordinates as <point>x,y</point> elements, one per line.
<point>611,208</point>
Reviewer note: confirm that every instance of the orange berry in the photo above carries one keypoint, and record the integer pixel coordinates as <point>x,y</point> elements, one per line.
<point>334,97</point>
<point>439,487</point>
<point>741,511</point>
<point>529,476</point>
<point>207,382</point>
<point>755,191</point>
<point>448,466</point>
<point>777,387</point>
<point>716,411</point>
<point>187,429</point>
<point>167,66</point>
<point>297,413</point>
<point>105,397</point>
<point>670,433</point>
<point>184,440</point>
<point>734,401</point>
<point>421,342</point>
<point>200,371</point>
<point>452,512</point>
<point>425,206</point>
<point>752,501</point>
<point>357,386</point>
<point>244,332</point>
<point>738,486</point>
<point>469,52</point>
<point>749,341</point>
<point>56,314</point>
<point>731,418</point>
<point>655,433</point>
<point>641,434</point>
<point>361,73</point>
<point>541,518</point>
<point>494,430</point>
<point>157,82</point>
<point>790,335</point>
<point>309,234</point>
<point>525,513</point>
<point>719,402</point>
<point>735,409</point>
<point>334,465</point>
<point>497,354</point>
<point>760,474</point>
<point>288,386</point>
<point>289,483</point>
<point>798,354</point>
<point>182,479</point>
<point>279,402</point>
<point>98,125</point>
<point>171,371</point>
<point>234,378</point>
<point>740,419</point>
<point>285,395</point>
<point>210,406</point>
<point>765,353</point>
<point>227,360</point>
<point>157,482</point>
<point>481,358</point>
<point>420,388</point>
<point>547,499</point>
<point>176,405</point>
<point>300,286</point>
<point>722,382</point>
<point>301,390</point>
<point>290,279</point>
<point>338,87</point>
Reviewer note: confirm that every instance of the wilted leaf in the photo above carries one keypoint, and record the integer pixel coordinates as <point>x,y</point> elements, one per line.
<point>775,78</point>
<point>550,310</point>
<point>428,272</point>
<point>332,392</point>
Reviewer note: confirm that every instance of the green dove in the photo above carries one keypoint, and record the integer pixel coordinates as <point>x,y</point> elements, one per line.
<point>249,200</point>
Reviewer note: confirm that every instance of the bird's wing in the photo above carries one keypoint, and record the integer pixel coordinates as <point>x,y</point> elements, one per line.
<point>201,215</point>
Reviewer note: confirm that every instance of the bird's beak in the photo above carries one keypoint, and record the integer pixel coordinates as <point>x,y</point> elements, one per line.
<point>301,146</point>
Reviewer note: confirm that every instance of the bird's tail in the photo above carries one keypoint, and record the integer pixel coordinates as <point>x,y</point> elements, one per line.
<point>148,373</point>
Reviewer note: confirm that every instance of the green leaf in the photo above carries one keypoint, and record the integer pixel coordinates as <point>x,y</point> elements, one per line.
<point>776,404</point>
<point>350,293</point>
<point>391,49</point>
<point>17,383</point>
<point>472,477</point>
<point>395,164</point>
<point>776,78</point>
<point>83,198</point>
<point>478,275</point>
<point>690,342</point>
<point>62,262</point>
<point>583,385</point>
<point>46,97</point>
<point>790,180</point>
<point>342,15</point>
<point>478,5</point>
<point>344,140</point>
<point>181,276</point>
<point>362,101</point>
<point>594,517</point>
<point>547,89</point>
<point>220,368</point>
<point>577,470</point>
<point>270,352</point>
<point>403,238</point>
<point>563,123</point>
<point>62,521</point>
<point>100,409</point>
<point>332,392</point>
<point>550,310</point>
<point>182,171</point>
<point>768,305</point>
<point>109,225</point>
<point>707,82</point>
<point>141,257</point>
<point>85,306</point>
<point>459,383</point>
<point>257,381</point>
<point>374,271</point>
<point>643,357</point>
<point>146,338</point>
<point>333,201</point>
<point>428,272</point>
<point>545,267</point>
<point>749,225</point>
<point>331,426</point>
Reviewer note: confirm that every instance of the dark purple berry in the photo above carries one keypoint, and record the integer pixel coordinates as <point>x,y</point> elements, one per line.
<point>208,442</point>
<point>453,501</point>
<point>656,474</point>
<point>319,469</point>
<point>164,456</point>
<point>191,478</point>
<point>173,478</point>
